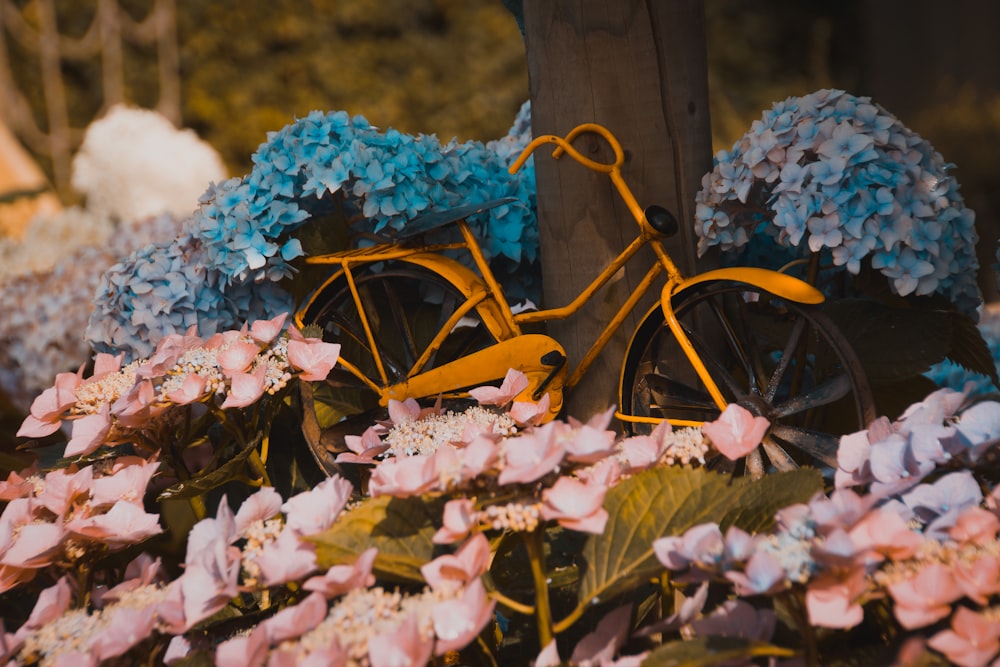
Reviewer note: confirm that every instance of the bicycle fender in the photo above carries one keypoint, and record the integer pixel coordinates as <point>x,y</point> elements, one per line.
<point>779,284</point>
<point>538,356</point>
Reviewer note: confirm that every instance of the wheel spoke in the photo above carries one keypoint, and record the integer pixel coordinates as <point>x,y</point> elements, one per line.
<point>787,356</point>
<point>734,341</point>
<point>826,393</point>
<point>820,446</point>
<point>780,459</point>
<point>716,368</point>
<point>667,393</point>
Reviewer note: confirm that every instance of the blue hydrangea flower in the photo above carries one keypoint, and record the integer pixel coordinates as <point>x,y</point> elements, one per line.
<point>238,247</point>
<point>839,175</point>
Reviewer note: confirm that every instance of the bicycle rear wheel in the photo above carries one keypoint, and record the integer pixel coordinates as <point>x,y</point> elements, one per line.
<point>406,305</point>
<point>779,359</point>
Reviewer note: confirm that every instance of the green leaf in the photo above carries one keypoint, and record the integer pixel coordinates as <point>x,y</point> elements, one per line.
<point>233,470</point>
<point>401,529</point>
<point>883,336</point>
<point>653,504</point>
<point>711,650</point>
<point>758,501</point>
<point>969,349</point>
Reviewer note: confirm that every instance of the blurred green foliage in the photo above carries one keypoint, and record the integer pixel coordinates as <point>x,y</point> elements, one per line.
<point>451,67</point>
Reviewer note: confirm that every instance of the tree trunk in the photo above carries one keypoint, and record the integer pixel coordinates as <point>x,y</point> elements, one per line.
<point>638,68</point>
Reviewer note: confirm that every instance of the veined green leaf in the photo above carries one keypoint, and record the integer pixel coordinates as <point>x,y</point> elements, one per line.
<point>653,504</point>
<point>401,529</point>
<point>759,500</point>
<point>667,501</point>
<point>711,650</point>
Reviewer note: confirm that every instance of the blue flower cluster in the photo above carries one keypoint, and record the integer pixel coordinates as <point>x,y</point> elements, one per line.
<point>836,174</point>
<point>229,266</point>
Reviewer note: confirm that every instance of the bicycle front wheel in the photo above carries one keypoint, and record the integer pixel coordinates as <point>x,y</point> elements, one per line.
<point>780,359</point>
<point>406,307</point>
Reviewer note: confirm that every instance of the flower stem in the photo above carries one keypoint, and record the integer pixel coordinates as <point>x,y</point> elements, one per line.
<point>535,544</point>
<point>796,607</point>
<point>512,604</point>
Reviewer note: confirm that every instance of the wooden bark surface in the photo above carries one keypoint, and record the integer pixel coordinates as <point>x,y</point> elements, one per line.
<point>638,68</point>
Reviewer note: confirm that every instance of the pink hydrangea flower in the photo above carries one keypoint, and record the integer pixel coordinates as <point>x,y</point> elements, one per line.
<point>403,476</point>
<point>245,388</point>
<point>237,357</point>
<point>265,331</point>
<point>340,579</point>
<point>459,518</point>
<point>736,432</point>
<point>925,597</point>
<point>314,511</point>
<point>313,357</point>
<point>532,455</point>
<point>513,384</point>
<point>972,641</point>
<point>457,622</point>
<point>404,647</point>
<point>125,523</point>
<point>89,433</point>
<point>575,505</point>
<point>459,569</point>
<point>832,601</point>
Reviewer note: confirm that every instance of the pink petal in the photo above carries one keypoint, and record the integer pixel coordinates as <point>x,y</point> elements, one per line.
<point>126,628</point>
<point>237,357</point>
<point>261,506</point>
<point>403,647</point>
<point>50,605</point>
<point>314,358</point>
<point>285,559</point>
<point>128,483</point>
<point>245,389</point>
<point>295,621</point>
<point>529,413</point>
<point>736,432</point>
<point>33,427</point>
<point>458,622</point>
<point>341,579</point>
<point>601,645</point>
<point>314,511</point>
<point>243,651</point>
<point>832,603</point>
<point>403,477</point>
<point>513,384</point>
<point>458,519</point>
<point>36,546</point>
<point>458,569</point>
<point>192,390</point>
<point>265,331</point>
<point>125,523</point>
<point>89,433</point>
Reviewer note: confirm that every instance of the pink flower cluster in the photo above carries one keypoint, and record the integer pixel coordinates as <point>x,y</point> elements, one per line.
<point>556,471</point>
<point>842,551</point>
<point>260,547</point>
<point>66,516</point>
<point>233,369</point>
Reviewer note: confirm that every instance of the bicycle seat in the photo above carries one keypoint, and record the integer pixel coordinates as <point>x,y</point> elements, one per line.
<point>436,219</point>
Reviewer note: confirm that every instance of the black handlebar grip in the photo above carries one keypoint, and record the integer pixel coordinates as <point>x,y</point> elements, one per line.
<point>661,220</point>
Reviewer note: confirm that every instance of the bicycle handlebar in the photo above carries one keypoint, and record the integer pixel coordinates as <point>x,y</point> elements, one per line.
<point>612,169</point>
<point>564,145</point>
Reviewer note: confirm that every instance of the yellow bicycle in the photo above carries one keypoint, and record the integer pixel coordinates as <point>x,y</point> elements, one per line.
<point>415,322</point>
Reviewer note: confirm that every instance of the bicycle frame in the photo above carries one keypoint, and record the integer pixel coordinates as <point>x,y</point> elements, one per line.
<point>540,357</point>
